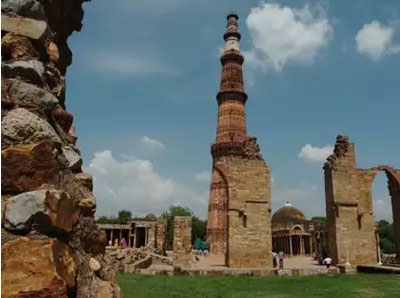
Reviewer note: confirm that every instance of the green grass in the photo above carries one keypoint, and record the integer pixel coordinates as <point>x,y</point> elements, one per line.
<point>343,286</point>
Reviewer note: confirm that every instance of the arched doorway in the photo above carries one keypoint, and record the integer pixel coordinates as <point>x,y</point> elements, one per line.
<point>388,232</point>
<point>217,221</point>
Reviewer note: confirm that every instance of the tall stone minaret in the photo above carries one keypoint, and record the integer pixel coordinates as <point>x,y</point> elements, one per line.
<point>231,96</point>
<point>238,224</point>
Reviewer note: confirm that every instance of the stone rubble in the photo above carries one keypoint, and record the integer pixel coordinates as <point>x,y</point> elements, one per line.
<point>51,246</point>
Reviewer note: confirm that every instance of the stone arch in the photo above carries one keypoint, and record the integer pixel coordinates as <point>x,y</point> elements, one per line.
<point>297,228</point>
<point>218,221</point>
<point>393,178</point>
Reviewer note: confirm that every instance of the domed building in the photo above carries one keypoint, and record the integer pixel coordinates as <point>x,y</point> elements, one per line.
<point>293,234</point>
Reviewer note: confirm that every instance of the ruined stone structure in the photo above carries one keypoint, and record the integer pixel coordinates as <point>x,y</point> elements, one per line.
<point>182,234</point>
<point>147,232</point>
<point>348,192</point>
<point>239,224</point>
<point>293,234</point>
<point>51,246</point>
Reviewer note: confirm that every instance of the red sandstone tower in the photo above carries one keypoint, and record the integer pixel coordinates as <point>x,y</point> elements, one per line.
<point>239,213</point>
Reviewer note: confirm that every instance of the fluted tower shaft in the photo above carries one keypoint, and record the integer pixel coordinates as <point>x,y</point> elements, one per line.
<point>231,97</point>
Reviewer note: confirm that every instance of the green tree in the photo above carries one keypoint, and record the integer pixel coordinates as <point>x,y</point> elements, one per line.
<point>386,237</point>
<point>169,216</point>
<point>320,218</point>
<point>124,216</point>
<point>199,229</point>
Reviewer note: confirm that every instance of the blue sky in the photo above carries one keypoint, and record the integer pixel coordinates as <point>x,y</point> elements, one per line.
<point>145,74</point>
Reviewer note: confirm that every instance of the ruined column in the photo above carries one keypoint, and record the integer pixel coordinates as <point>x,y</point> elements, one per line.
<point>291,246</point>
<point>349,211</point>
<point>161,236</point>
<point>182,234</point>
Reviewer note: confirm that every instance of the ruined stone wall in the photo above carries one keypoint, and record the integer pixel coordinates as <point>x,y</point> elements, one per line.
<point>247,176</point>
<point>161,237</point>
<point>182,234</point>
<point>51,246</point>
<point>348,193</point>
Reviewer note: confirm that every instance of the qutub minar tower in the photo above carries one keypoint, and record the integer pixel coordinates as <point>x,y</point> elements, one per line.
<point>239,214</point>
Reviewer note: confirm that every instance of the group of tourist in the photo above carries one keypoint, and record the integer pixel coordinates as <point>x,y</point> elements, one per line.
<point>123,244</point>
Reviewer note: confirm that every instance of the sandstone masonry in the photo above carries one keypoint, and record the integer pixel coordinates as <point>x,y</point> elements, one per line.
<point>350,220</point>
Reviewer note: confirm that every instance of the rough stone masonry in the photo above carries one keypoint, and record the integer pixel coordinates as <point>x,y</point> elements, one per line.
<point>51,246</point>
<point>348,193</point>
<point>239,214</point>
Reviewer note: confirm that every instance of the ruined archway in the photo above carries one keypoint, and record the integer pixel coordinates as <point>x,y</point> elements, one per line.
<point>348,195</point>
<point>217,221</point>
<point>393,183</point>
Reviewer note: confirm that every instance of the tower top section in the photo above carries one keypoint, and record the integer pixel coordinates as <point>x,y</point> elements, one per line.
<point>232,30</point>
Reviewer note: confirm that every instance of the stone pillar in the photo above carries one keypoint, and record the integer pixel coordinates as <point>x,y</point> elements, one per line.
<point>291,245</point>
<point>161,236</point>
<point>182,234</point>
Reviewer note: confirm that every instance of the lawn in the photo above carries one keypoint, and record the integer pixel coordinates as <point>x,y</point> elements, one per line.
<point>343,286</point>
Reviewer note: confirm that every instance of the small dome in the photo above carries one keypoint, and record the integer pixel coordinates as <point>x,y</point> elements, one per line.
<point>150,216</point>
<point>288,213</point>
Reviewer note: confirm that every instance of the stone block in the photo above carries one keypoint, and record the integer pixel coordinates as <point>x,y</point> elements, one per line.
<point>27,167</point>
<point>15,92</point>
<point>36,268</point>
<point>34,29</point>
<point>21,126</point>
<point>31,71</point>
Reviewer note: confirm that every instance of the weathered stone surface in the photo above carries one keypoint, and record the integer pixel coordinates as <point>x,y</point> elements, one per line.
<point>182,234</point>
<point>21,126</point>
<point>88,205</point>
<point>31,28</point>
<point>15,46</point>
<point>63,118</point>
<point>27,167</point>
<point>26,8</point>
<point>350,219</point>
<point>104,290</point>
<point>52,50</point>
<point>21,208</point>
<point>85,179</point>
<point>45,210</point>
<point>73,135</point>
<point>31,71</point>
<point>94,265</point>
<point>26,95</point>
<point>87,236</point>
<point>73,158</point>
<point>46,271</point>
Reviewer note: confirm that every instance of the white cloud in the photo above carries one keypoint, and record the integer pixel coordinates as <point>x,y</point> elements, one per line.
<point>133,184</point>
<point>383,209</point>
<point>315,154</point>
<point>375,41</point>
<point>151,143</point>
<point>129,63</point>
<point>203,176</point>
<point>281,34</point>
